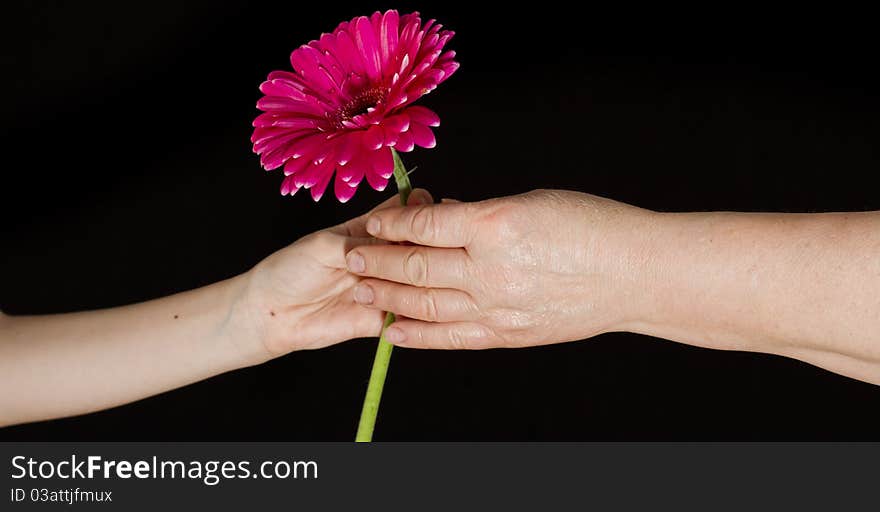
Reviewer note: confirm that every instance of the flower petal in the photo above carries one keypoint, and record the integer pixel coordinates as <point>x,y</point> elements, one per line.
<point>313,174</point>
<point>354,171</point>
<point>273,159</point>
<point>405,142</point>
<point>278,120</point>
<point>373,138</point>
<point>288,186</point>
<point>284,88</point>
<point>390,134</point>
<point>348,145</point>
<point>309,146</point>
<point>397,123</point>
<point>422,135</point>
<point>280,105</point>
<point>423,115</point>
<point>342,190</point>
<point>305,62</point>
<point>365,40</point>
<point>349,54</point>
<point>388,36</point>
<point>381,162</point>
<point>377,182</point>
<point>318,189</point>
<point>295,165</point>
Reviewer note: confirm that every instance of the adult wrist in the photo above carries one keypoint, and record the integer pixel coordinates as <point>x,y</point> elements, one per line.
<point>690,289</point>
<point>629,250</point>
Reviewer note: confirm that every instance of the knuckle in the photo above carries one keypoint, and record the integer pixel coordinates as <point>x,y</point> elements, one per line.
<point>511,319</point>
<point>459,340</point>
<point>502,220</point>
<point>422,223</point>
<point>430,311</point>
<point>415,267</point>
<point>491,337</point>
<point>471,308</point>
<point>474,337</point>
<point>506,326</point>
<point>421,341</point>
<point>321,239</point>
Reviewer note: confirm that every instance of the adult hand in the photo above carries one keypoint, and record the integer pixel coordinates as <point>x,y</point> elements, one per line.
<point>301,296</point>
<point>538,268</point>
<point>552,266</point>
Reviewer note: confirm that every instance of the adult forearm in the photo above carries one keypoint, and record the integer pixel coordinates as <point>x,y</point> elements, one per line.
<point>801,285</point>
<point>61,365</point>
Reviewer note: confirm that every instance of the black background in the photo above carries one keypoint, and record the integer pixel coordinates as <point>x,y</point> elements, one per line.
<point>128,175</point>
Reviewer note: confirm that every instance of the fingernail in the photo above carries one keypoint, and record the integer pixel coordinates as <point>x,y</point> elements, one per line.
<point>355,262</point>
<point>363,294</point>
<point>373,226</point>
<point>394,335</point>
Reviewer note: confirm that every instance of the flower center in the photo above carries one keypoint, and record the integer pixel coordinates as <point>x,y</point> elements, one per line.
<point>359,105</point>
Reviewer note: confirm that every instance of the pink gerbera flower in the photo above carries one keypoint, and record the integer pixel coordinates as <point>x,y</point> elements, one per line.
<point>348,102</point>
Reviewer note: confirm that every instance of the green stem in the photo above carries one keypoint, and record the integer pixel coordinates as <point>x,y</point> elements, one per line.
<point>383,352</point>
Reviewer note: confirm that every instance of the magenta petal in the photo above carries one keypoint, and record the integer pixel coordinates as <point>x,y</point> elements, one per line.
<point>377,182</point>
<point>405,142</point>
<point>326,153</point>
<point>398,99</point>
<point>342,190</point>
<point>435,76</point>
<point>404,66</point>
<point>313,174</point>
<point>305,61</point>
<point>376,22</point>
<point>355,180</point>
<point>422,135</point>
<point>381,162</point>
<point>365,40</point>
<point>267,144</point>
<point>348,146</point>
<point>309,146</point>
<point>263,133</point>
<point>318,189</point>
<point>446,57</point>
<point>264,120</point>
<point>284,88</point>
<point>288,186</point>
<point>390,136</point>
<point>284,121</point>
<point>274,159</point>
<point>295,165</point>
<point>398,123</point>
<point>349,54</point>
<point>448,68</point>
<point>388,36</point>
<point>267,103</point>
<point>423,116</point>
<point>352,170</point>
<point>374,138</point>
<point>284,75</point>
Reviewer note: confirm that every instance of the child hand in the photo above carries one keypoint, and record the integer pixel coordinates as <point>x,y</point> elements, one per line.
<point>301,297</point>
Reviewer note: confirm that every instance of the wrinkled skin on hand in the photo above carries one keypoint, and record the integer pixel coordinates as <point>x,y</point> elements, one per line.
<point>537,268</point>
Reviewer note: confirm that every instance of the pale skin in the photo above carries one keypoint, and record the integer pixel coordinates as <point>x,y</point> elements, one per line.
<point>554,266</point>
<point>298,298</point>
<point>543,267</point>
